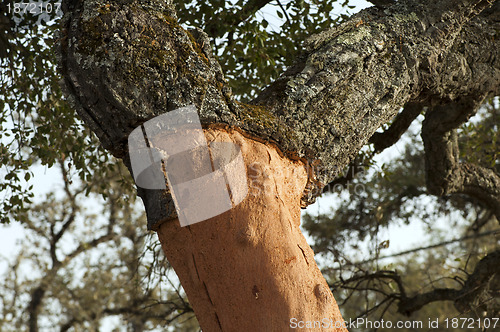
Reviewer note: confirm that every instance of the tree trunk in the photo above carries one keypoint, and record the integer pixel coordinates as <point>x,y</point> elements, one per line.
<point>249,269</point>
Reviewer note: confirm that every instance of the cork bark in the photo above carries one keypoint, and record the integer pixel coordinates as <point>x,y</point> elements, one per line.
<point>125,62</point>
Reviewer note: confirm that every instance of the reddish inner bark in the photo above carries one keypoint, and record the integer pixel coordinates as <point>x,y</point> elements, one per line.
<point>250,268</point>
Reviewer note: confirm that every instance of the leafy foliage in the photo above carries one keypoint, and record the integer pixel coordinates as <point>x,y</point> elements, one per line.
<point>256,40</point>
<point>37,126</point>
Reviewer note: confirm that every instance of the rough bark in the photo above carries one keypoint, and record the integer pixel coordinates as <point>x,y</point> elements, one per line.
<point>445,174</point>
<point>124,62</point>
<point>351,79</point>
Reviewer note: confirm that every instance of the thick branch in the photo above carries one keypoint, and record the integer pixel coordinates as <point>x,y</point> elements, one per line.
<point>444,173</point>
<point>124,63</point>
<point>399,126</point>
<point>415,303</point>
<point>383,274</point>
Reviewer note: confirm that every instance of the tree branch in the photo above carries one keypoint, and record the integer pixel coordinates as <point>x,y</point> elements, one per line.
<point>409,305</point>
<point>283,9</point>
<point>349,81</point>
<point>399,126</point>
<point>445,174</point>
<point>383,274</point>
<point>69,324</point>
<point>487,269</point>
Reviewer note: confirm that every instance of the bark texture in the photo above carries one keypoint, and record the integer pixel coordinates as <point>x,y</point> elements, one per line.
<point>125,62</point>
<point>445,174</point>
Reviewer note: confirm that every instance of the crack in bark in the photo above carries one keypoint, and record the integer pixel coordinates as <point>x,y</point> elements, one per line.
<point>196,267</point>
<point>303,254</point>
<point>218,321</point>
<point>210,300</point>
<point>208,294</point>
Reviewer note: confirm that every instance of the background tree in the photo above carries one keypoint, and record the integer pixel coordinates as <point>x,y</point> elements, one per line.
<point>79,266</point>
<point>409,287</point>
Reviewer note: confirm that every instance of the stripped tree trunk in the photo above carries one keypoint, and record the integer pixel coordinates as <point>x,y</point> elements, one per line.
<point>250,269</point>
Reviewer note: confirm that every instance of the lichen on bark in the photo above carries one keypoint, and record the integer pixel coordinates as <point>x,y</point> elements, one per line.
<point>125,62</point>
